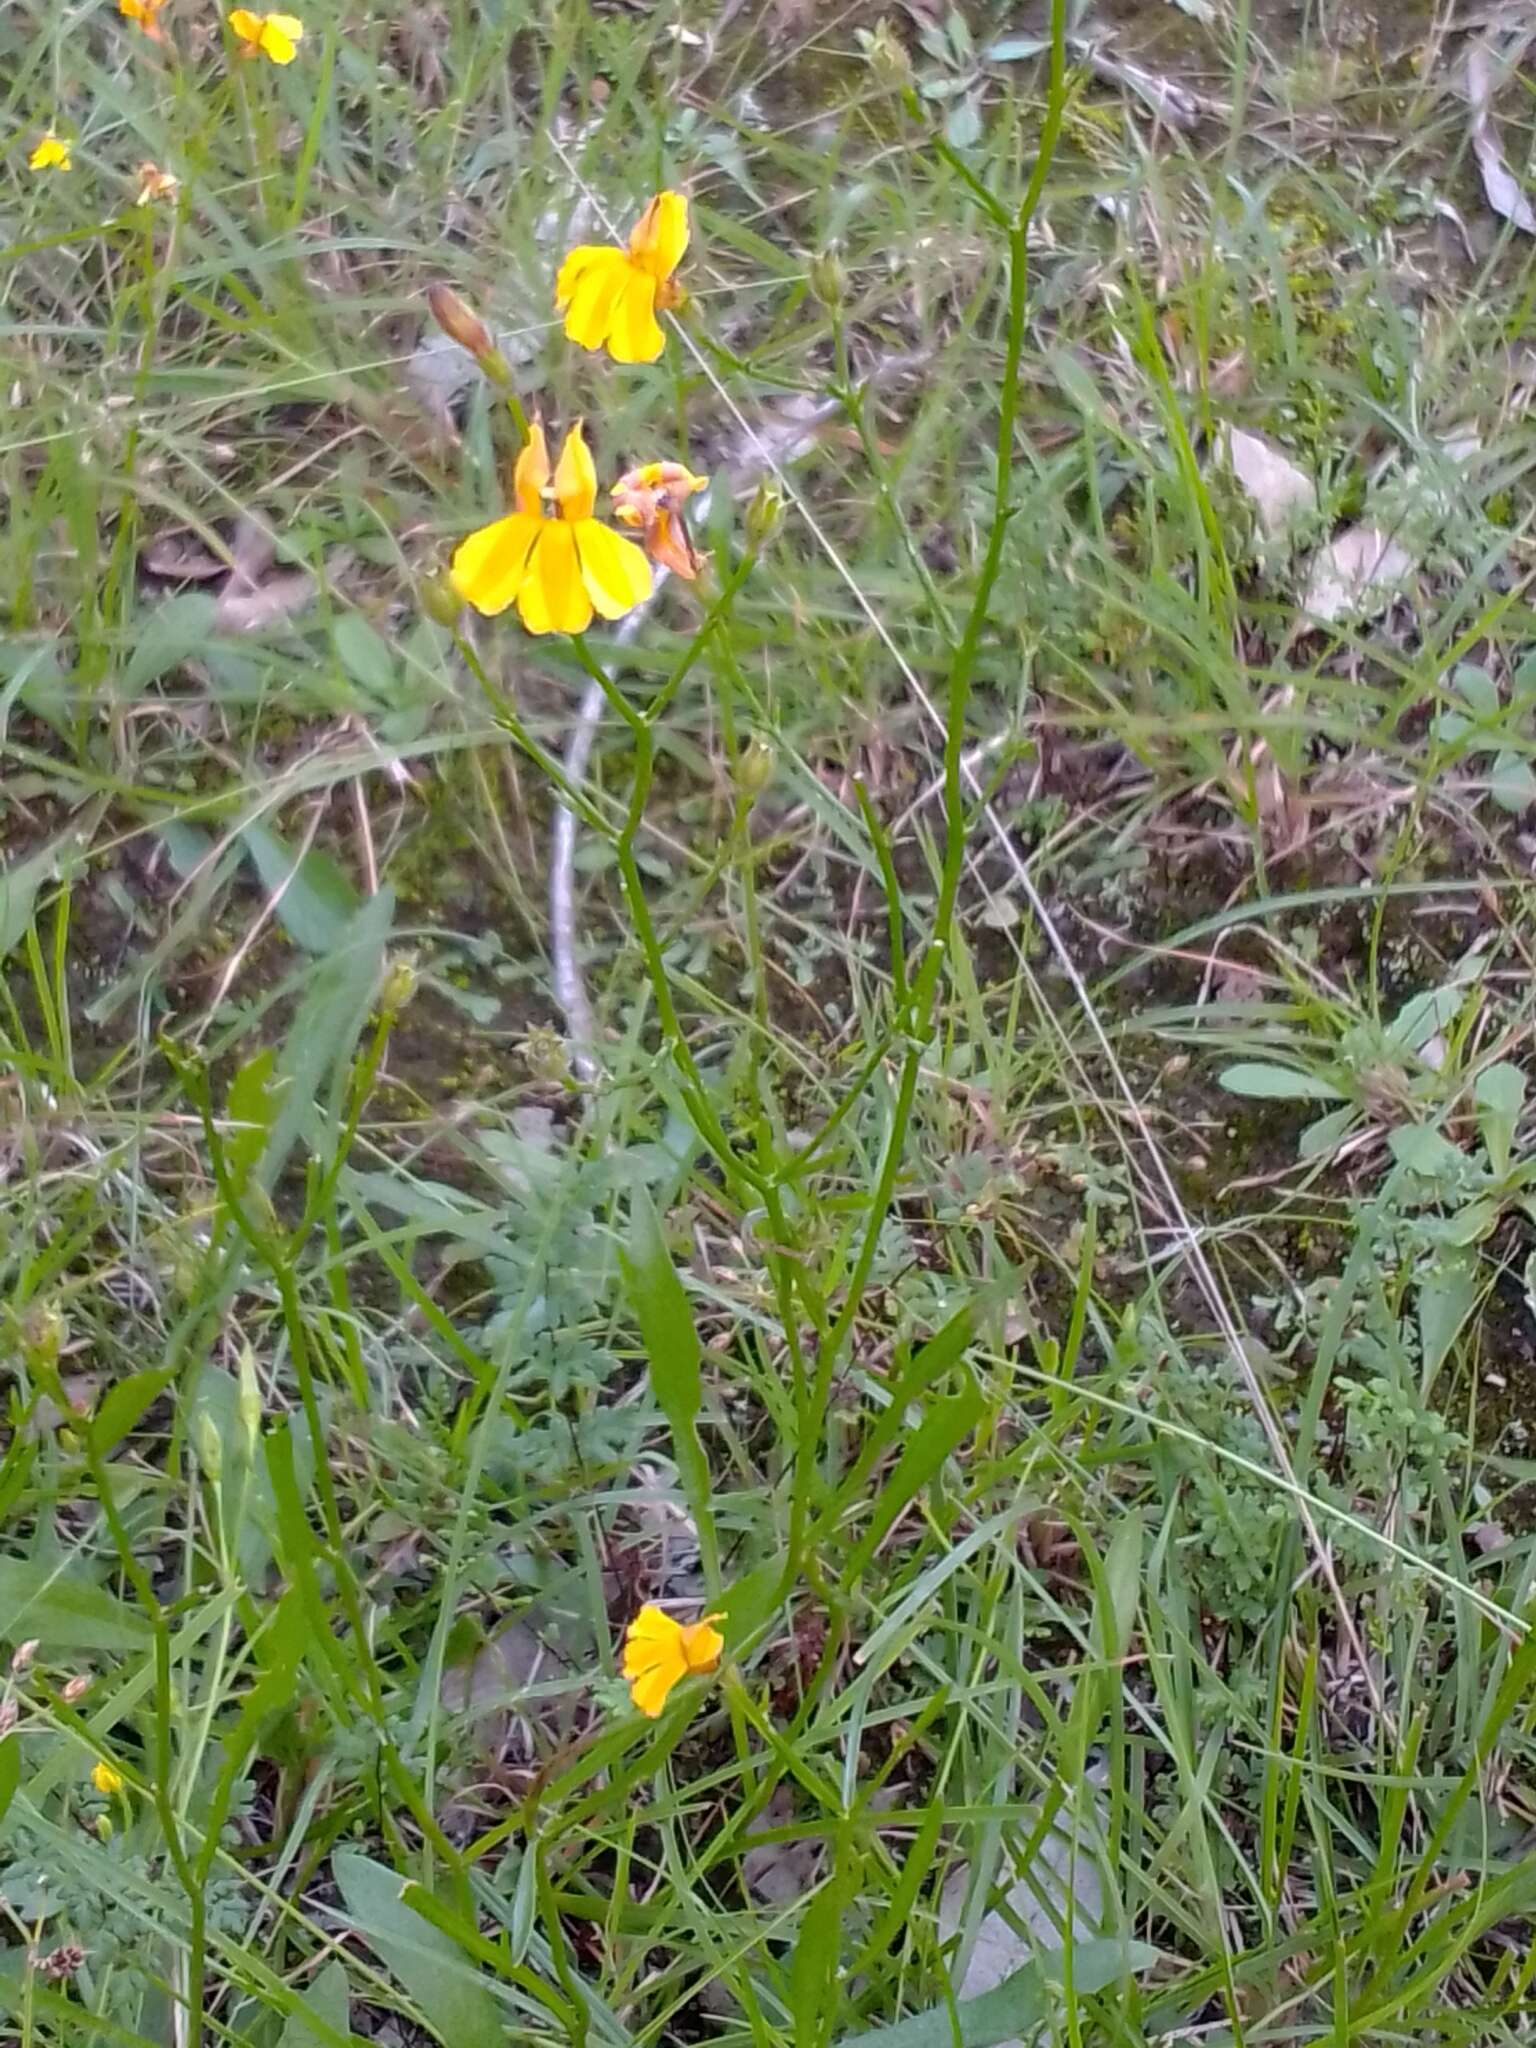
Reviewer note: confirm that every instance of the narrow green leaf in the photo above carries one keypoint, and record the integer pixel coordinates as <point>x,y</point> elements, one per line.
<point>63,1611</point>
<point>1499,1092</point>
<point>672,1351</point>
<point>20,884</point>
<point>249,1109</point>
<point>327,2001</point>
<point>315,902</point>
<point>10,1772</point>
<point>945,1426</point>
<point>1277,1084</point>
<point>1017,2005</point>
<point>122,1407</point>
<point>813,1966</point>
<point>451,1996</point>
<point>1122,1587</point>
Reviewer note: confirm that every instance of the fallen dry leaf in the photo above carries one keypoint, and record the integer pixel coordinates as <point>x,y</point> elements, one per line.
<point>1356,575</point>
<point>1281,492</point>
<point>245,608</point>
<point>1500,185</point>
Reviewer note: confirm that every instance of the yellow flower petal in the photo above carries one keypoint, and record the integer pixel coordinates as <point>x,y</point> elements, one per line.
<point>576,479</point>
<point>51,154</point>
<point>650,1693</point>
<point>280,35</point>
<point>530,477</point>
<point>633,335</point>
<point>489,566</point>
<point>616,574</point>
<point>586,290</point>
<point>246,26</point>
<point>702,1643</point>
<point>552,598</point>
<point>661,235</point>
<point>106,1780</point>
<point>653,1624</point>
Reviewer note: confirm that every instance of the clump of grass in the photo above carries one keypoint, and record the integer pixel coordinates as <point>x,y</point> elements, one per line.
<point>1001,1173</point>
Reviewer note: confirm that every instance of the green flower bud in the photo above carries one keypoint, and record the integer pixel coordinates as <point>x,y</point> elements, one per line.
<point>439,600</point>
<point>829,280</point>
<point>765,515</point>
<point>754,770</point>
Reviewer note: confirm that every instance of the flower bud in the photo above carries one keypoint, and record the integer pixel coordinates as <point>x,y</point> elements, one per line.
<point>107,1781</point>
<point>765,515</point>
<point>886,55</point>
<point>208,1445</point>
<point>44,1333</point>
<point>248,1404</point>
<point>104,1828</point>
<point>829,280</point>
<point>399,984</point>
<point>76,1688</point>
<point>545,1054</point>
<point>439,600</point>
<point>754,770</point>
<point>460,322</point>
<point>23,1654</point>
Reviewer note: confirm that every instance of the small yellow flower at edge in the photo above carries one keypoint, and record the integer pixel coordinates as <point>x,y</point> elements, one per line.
<point>654,497</point>
<point>106,1780</point>
<point>660,1652</point>
<point>275,36</point>
<point>558,571</point>
<point>610,296</point>
<point>51,154</point>
<point>144,12</point>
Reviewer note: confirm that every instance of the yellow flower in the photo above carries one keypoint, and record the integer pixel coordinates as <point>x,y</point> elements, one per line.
<point>609,296</point>
<point>155,184</point>
<point>659,1652</point>
<point>144,12</point>
<point>559,571</point>
<point>51,154</point>
<point>271,35</point>
<point>655,497</point>
<point>106,1780</point>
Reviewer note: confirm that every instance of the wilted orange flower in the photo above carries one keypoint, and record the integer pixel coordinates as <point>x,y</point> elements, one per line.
<point>660,1652</point>
<point>654,497</point>
<point>144,12</point>
<point>52,153</point>
<point>155,184</point>
<point>275,36</point>
<point>610,296</point>
<point>558,571</point>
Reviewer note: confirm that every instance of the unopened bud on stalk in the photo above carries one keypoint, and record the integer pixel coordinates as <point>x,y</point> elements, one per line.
<point>43,1335</point>
<point>458,320</point>
<point>889,64</point>
<point>399,984</point>
<point>23,1654</point>
<point>76,1688</point>
<point>829,280</point>
<point>462,324</point>
<point>209,1447</point>
<point>754,771</point>
<point>439,600</point>
<point>765,515</point>
<point>248,1401</point>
